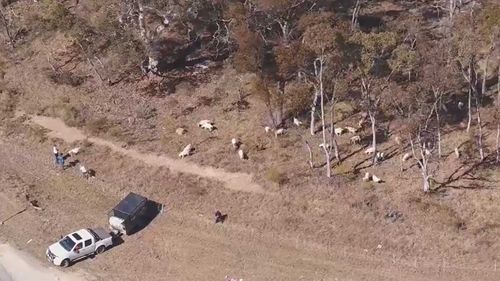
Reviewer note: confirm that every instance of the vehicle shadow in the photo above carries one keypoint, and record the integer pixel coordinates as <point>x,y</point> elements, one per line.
<point>152,210</point>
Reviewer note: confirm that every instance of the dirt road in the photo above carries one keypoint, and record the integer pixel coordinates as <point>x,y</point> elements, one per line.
<point>234,181</point>
<point>17,266</point>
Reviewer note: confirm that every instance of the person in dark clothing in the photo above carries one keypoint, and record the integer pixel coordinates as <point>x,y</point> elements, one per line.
<point>60,160</point>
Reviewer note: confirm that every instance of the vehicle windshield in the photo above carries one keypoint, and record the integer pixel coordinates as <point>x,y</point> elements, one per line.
<point>67,243</point>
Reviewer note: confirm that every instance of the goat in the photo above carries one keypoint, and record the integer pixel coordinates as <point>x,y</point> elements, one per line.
<point>242,154</point>
<point>379,156</point>
<point>376,179</point>
<point>397,140</point>
<point>207,125</point>
<point>366,178</point>
<point>186,151</point>
<point>351,130</point>
<point>322,145</point>
<point>84,171</point>
<point>267,129</point>
<point>279,132</point>
<point>297,122</point>
<point>361,122</point>
<point>236,143</point>
<point>338,131</point>
<point>457,153</point>
<point>406,156</point>
<point>74,151</point>
<point>460,105</point>
<point>180,131</point>
<point>370,150</point>
<point>355,139</point>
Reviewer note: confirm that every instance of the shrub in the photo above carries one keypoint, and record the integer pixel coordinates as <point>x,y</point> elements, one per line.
<point>99,125</point>
<point>56,15</point>
<point>69,114</point>
<point>276,176</point>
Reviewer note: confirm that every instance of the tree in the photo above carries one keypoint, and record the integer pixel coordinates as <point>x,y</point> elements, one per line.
<point>371,102</point>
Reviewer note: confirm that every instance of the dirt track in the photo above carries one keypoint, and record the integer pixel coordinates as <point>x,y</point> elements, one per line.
<point>234,181</point>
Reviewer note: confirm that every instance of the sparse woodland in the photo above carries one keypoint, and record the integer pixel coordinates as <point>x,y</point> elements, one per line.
<point>427,66</point>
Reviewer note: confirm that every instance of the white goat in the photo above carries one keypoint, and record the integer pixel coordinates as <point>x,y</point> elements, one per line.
<point>355,139</point>
<point>406,156</point>
<point>380,156</point>
<point>207,125</point>
<point>351,130</point>
<point>236,143</point>
<point>242,154</point>
<point>297,122</point>
<point>370,150</point>
<point>84,171</point>
<point>267,129</point>
<point>361,122</point>
<point>279,132</point>
<point>338,131</point>
<point>460,105</point>
<point>322,145</point>
<point>376,179</point>
<point>180,131</point>
<point>186,151</point>
<point>366,178</point>
<point>74,151</point>
<point>457,153</point>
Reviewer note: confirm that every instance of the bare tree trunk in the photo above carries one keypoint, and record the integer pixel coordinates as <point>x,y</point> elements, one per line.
<point>333,137</point>
<point>355,13</point>
<point>498,143</point>
<point>469,100</point>
<point>438,131</point>
<point>498,88</point>
<point>7,29</point>
<point>374,136</point>
<point>422,163</point>
<point>437,96</point>
<point>478,106</point>
<point>480,136</point>
<point>310,162</point>
<point>313,111</point>
<point>452,7</point>
<point>326,149</point>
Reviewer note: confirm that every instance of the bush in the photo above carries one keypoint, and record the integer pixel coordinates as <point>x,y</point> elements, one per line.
<point>97,126</point>
<point>66,78</point>
<point>56,15</point>
<point>276,176</point>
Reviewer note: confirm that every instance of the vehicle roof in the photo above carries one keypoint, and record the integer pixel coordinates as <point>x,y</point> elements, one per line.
<point>130,203</point>
<point>83,233</point>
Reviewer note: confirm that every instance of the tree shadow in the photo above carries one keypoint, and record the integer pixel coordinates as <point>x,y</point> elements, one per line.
<point>467,174</point>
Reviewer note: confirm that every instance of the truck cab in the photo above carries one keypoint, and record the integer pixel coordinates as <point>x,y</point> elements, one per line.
<point>78,245</point>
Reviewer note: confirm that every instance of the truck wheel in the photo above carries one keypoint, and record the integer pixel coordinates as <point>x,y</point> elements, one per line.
<point>100,250</point>
<point>65,263</point>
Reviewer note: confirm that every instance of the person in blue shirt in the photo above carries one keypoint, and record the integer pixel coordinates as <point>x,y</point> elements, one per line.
<point>60,160</point>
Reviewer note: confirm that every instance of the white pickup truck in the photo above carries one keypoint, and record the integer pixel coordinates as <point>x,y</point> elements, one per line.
<point>78,245</point>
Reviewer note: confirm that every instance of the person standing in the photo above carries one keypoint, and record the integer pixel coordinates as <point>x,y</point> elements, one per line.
<point>56,152</point>
<point>60,160</point>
